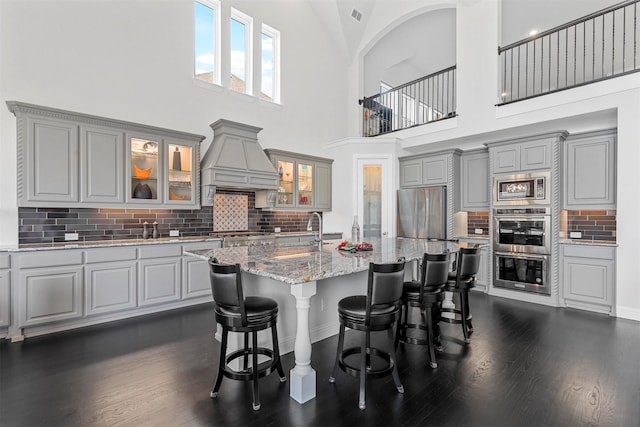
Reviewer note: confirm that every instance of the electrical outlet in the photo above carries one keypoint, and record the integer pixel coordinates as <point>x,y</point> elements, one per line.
<point>478,230</point>
<point>276,230</point>
<point>575,235</point>
<point>174,233</point>
<point>70,236</point>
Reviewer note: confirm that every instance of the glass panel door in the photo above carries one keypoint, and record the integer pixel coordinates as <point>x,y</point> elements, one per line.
<point>372,201</point>
<point>144,169</point>
<point>180,173</point>
<point>374,196</point>
<point>305,184</point>
<point>285,195</point>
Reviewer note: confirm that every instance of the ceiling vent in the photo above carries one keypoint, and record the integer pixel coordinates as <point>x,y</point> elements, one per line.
<point>356,14</point>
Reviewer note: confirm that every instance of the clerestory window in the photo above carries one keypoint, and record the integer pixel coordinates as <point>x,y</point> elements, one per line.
<point>207,41</point>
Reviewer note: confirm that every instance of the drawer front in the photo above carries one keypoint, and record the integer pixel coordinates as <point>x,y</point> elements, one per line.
<point>110,254</point>
<point>5,261</point>
<point>159,251</point>
<point>50,259</point>
<point>584,251</point>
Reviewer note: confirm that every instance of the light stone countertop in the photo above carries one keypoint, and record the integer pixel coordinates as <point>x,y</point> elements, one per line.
<point>106,243</point>
<point>305,263</point>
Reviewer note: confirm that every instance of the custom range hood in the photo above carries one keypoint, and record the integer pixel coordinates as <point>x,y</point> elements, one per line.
<point>236,160</point>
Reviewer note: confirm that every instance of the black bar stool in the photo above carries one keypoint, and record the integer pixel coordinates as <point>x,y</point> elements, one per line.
<point>426,294</point>
<point>379,310</point>
<point>460,282</point>
<point>248,315</point>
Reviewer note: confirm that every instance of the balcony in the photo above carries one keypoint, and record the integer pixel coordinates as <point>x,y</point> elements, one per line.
<point>425,100</point>
<point>596,47</point>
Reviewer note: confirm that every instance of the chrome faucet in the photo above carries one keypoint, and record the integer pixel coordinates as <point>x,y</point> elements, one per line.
<point>318,239</point>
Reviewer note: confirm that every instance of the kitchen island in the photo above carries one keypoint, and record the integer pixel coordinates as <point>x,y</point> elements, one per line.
<point>310,269</point>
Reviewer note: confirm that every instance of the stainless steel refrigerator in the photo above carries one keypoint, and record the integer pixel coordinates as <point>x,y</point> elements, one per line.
<point>422,212</point>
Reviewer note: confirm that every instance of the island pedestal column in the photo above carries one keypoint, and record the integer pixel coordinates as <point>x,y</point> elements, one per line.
<point>302,385</point>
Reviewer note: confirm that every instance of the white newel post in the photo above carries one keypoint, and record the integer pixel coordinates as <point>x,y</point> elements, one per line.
<point>303,377</point>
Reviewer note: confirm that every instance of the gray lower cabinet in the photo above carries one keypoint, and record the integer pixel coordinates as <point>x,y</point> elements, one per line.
<point>65,288</point>
<point>5,291</point>
<point>110,287</point>
<point>49,287</point>
<point>474,191</point>
<point>50,294</point>
<point>195,273</point>
<point>590,170</point>
<point>588,277</point>
<point>159,274</point>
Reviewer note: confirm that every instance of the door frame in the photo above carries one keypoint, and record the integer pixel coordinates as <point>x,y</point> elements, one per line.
<point>388,202</point>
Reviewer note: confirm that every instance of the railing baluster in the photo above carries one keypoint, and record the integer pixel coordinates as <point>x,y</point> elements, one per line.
<point>520,79</point>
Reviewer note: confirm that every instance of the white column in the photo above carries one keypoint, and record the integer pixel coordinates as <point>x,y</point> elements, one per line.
<point>302,378</point>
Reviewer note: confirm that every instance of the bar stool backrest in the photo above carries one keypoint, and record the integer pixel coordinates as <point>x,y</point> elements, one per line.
<point>434,271</point>
<point>226,287</point>
<point>384,285</point>
<point>468,264</point>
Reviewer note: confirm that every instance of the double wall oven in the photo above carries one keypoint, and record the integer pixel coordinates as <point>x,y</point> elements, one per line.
<point>522,232</point>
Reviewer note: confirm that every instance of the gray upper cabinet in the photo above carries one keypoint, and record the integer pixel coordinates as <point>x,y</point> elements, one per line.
<point>304,183</point>
<point>49,160</point>
<point>102,160</point>
<point>474,190</point>
<point>410,173</point>
<point>428,169</point>
<point>68,159</point>
<point>435,170</point>
<point>590,170</point>
<point>524,154</point>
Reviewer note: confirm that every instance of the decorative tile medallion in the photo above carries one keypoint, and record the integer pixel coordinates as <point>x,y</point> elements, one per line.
<point>230,212</point>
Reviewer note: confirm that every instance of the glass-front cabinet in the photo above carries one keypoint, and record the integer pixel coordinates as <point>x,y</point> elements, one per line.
<point>304,183</point>
<point>70,159</point>
<point>144,170</point>
<point>161,171</point>
<point>181,188</point>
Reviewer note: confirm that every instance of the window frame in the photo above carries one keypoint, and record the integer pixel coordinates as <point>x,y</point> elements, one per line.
<point>275,37</point>
<point>217,40</point>
<point>248,54</point>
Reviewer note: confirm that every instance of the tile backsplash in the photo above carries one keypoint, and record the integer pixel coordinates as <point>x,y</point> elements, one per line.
<point>49,225</point>
<point>477,219</point>
<point>593,224</point>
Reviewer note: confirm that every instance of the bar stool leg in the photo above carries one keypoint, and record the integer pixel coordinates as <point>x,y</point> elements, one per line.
<point>427,317</point>
<point>221,364</point>
<point>364,362</point>
<point>463,317</point>
<point>394,372</point>
<point>469,316</point>
<point>332,378</point>
<point>254,369</point>
<point>246,351</point>
<point>276,353</point>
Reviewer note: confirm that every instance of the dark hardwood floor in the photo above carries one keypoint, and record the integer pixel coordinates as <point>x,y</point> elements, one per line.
<point>527,365</point>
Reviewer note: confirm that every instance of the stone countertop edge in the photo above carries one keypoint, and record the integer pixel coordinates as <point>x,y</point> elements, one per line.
<point>585,242</point>
<point>107,243</point>
<point>134,242</point>
<point>296,265</point>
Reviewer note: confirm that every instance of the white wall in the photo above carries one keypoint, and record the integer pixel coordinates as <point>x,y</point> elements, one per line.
<point>612,103</point>
<point>133,60</point>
